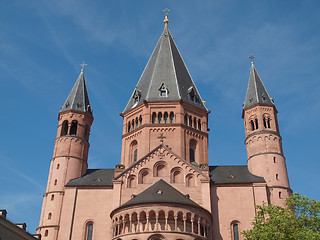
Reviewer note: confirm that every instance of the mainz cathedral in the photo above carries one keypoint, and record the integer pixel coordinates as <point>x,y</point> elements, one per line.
<point>163,188</point>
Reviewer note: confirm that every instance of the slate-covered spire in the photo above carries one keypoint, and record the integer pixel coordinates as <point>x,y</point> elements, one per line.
<point>78,98</point>
<point>256,92</point>
<point>166,77</point>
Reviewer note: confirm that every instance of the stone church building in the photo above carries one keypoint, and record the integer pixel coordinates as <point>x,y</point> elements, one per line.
<point>163,188</point>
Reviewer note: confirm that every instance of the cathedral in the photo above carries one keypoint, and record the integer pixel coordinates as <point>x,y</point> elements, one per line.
<point>164,187</point>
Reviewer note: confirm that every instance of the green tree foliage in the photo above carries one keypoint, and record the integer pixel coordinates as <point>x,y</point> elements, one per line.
<point>299,220</point>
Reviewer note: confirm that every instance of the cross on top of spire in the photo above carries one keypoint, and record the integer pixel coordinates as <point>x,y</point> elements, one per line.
<point>166,20</point>
<point>251,58</point>
<point>83,64</point>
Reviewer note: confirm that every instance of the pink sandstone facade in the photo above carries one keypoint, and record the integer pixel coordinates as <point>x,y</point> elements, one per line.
<point>163,188</point>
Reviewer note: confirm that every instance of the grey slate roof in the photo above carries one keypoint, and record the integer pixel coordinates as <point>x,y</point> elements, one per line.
<point>233,174</point>
<point>160,192</point>
<point>93,177</point>
<point>256,91</point>
<point>78,98</point>
<point>165,69</point>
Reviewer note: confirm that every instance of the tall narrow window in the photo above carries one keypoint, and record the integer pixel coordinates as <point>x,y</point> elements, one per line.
<point>140,120</point>
<point>257,126</point>
<point>55,182</point>
<point>186,119</point>
<point>73,129</point>
<point>46,233</point>
<point>129,126</point>
<point>195,123</point>
<point>137,123</point>
<point>165,117</point>
<point>132,124</point>
<point>192,150</point>
<point>64,129</point>
<point>89,231</point>
<point>268,123</point>
<point>49,216</point>
<point>135,153</point>
<point>190,121</point>
<point>235,231</point>
<point>252,125</point>
<point>52,197</point>
<point>171,117</point>
<point>154,116</point>
<point>199,124</point>
<point>159,117</point>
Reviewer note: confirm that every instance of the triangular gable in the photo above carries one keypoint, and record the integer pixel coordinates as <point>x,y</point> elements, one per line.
<point>159,151</point>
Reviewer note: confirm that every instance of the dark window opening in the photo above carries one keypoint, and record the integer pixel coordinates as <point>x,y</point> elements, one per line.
<point>252,125</point>
<point>192,157</point>
<point>165,117</point>
<point>55,182</point>
<point>257,126</point>
<point>154,116</point>
<point>140,120</point>
<point>129,126</point>
<point>190,121</point>
<point>132,124</point>
<point>58,166</point>
<point>73,129</point>
<point>268,122</point>
<point>199,125</point>
<point>46,233</point>
<point>135,154</point>
<point>89,231</point>
<point>186,119</point>
<point>195,123</point>
<point>52,197</point>
<point>64,129</point>
<point>49,216</point>
<point>235,232</point>
<point>159,117</point>
<point>171,117</point>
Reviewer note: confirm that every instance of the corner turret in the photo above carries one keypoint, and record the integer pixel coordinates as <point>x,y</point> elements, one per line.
<point>263,140</point>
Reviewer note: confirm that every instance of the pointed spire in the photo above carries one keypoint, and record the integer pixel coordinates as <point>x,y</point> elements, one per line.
<point>256,91</point>
<point>166,77</point>
<point>78,98</point>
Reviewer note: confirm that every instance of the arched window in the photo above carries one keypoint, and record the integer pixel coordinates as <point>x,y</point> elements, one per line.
<point>176,175</point>
<point>192,150</point>
<point>268,122</point>
<point>159,169</point>
<point>235,231</point>
<point>171,117</point>
<point>129,126</point>
<point>46,233</point>
<point>64,128</point>
<point>199,124</point>
<point>73,129</point>
<point>159,117</point>
<point>186,119</point>
<point>140,120</point>
<point>89,231</point>
<point>257,126</point>
<point>154,116</point>
<point>137,122</point>
<point>132,124</point>
<point>52,197</point>
<point>132,181</point>
<point>58,166</point>
<point>165,117</point>
<point>190,121</point>
<point>49,216</point>
<point>190,180</point>
<point>55,182</point>
<point>252,125</point>
<point>133,154</point>
<point>144,176</point>
<point>195,123</point>
<point>280,195</point>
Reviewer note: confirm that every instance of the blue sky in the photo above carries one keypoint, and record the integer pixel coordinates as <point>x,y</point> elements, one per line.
<point>42,44</point>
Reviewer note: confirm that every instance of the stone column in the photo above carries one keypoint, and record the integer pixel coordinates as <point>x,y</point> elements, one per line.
<point>157,221</point>
<point>175,223</point>
<point>192,222</point>
<point>166,226</point>
<point>138,224</point>
<point>184,224</point>
<point>199,232</point>
<point>147,224</point>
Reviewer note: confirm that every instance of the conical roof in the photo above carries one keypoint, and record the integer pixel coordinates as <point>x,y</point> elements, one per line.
<point>256,91</point>
<point>78,98</point>
<point>166,77</point>
<point>160,192</point>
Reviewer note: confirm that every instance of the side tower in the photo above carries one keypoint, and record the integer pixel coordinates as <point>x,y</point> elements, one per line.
<point>263,140</point>
<point>165,104</point>
<point>69,157</point>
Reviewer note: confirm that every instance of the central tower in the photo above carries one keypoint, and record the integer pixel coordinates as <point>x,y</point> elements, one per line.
<point>166,105</point>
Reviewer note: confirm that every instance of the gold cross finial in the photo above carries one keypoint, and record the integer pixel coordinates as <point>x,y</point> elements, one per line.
<point>161,137</point>
<point>166,20</point>
<point>83,65</point>
<point>251,57</point>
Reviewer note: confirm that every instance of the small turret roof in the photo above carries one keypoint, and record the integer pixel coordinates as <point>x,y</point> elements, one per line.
<point>256,91</point>
<point>161,192</point>
<point>78,98</point>
<point>165,71</point>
